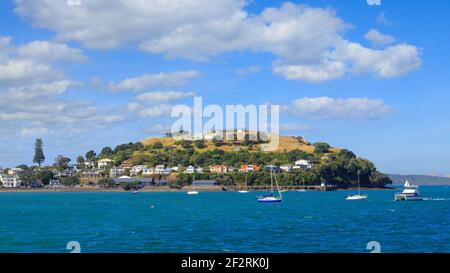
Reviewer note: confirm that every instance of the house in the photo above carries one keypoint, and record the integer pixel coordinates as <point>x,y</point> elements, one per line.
<point>89,164</point>
<point>302,164</point>
<point>15,171</point>
<point>94,173</point>
<point>148,171</point>
<point>10,181</point>
<point>218,169</point>
<point>272,168</point>
<point>137,170</point>
<point>160,168</point>
<point>286,168</point>
<point>115,172</point>
<point>175,169</point>
<point>199,170</point>
<point>103,163</point>
<point>190,169</point>
<point>250,168</point>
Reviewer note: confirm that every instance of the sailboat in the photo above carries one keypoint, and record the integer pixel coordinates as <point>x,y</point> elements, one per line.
<point>357,196</point>
<point>244,191</point>
<point>270,198</point>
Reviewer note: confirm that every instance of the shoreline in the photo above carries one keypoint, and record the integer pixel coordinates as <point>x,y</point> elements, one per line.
<point>159,189</point>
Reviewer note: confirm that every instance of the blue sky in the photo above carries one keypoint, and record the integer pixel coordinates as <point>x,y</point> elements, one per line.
<point>372,79</point>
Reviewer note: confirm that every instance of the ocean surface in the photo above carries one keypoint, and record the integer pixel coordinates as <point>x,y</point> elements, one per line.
<point>223,222</point>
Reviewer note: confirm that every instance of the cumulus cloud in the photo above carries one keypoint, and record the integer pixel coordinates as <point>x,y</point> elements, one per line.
<point>304,40</point>
<point>378,38</point>
<point>350,108</point>
<point>155,104</point>
<point>31,88</point>
<point>169,79</point>
<point>50,52</point>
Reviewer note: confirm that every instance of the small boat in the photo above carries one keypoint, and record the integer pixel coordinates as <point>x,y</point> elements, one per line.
<point>409,193</point>
<point>135,192</point>
<point>271,198</point>
<point>192,192</point>
<point>358,196</point>
<point>243,191</point>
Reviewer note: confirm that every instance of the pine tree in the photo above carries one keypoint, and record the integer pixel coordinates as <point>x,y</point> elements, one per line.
<point>39,157</point>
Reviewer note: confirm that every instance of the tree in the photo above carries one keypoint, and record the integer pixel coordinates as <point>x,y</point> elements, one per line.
<point>91,155</point>
<point>80,161</point>
<point>157,145</point>
<point>106,182</point>
<point>106,151</point>
<point>200,144</point>
<point>321,147</point>
<point>70,181</point>
<point>45,177</point>
<point>62,162</point>
<point>39,157</point>
<point>27,177</point>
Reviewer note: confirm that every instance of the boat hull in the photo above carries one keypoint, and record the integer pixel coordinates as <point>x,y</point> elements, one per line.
<point>356,197</point>
<point>269,201</point>
<point>402,197</point>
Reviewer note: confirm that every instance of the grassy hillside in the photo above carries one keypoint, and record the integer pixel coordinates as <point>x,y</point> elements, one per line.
<point>287,143</point>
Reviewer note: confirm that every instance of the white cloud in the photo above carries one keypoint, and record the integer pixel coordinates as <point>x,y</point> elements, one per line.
<point>393,61</point>
<point>49,52</point>
<point>383,20</point>
<point>325,71</point>
<point>351,108</point>
<point>248,70</point>
<point>170,79</point>
<point>163,96</point>
<point>378,38</point>
<point>303,39</point>
<point>30,90</point>
<point>155,111</point>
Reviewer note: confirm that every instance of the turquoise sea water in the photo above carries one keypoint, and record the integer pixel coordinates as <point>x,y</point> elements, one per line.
<point>223,222</point>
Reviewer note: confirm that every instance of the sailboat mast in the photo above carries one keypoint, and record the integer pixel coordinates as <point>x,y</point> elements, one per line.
<point>359,184</point>
<point>271,180</point>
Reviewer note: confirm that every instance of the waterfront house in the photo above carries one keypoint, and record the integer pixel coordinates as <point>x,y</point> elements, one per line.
<point>272,168</point>
<point>302,164</point>
<point>175,169</point>
<point>160,168</point>
<point>94,173</point>
<point>218,169</point>
<point>286,168</point>
<point>148,171</point>
<point>137,170</point>
<point>103,163</point>
<point>250,168</point>
<point>190,169</point>
<point>10,181</point>
<point>115,172</point>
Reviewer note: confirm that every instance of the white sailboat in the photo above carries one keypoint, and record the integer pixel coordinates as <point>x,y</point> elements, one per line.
<point>271,198</point>
<point>244,191</point>
<point>358,196</point>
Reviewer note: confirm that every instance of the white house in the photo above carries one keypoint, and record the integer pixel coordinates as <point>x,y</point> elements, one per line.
<point>10,181</point>
<point>114,172</point>
<point>137,169</point>
<point>302,164</point>
<point>199,170</point>
<point>89,164</point>
<point>102,163</point>
<point>190,169</point>
<point>286,168</point>
<point>148,171</point>
<point>14,171</point>
<point>175,169</point>
<point>160,168</point>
